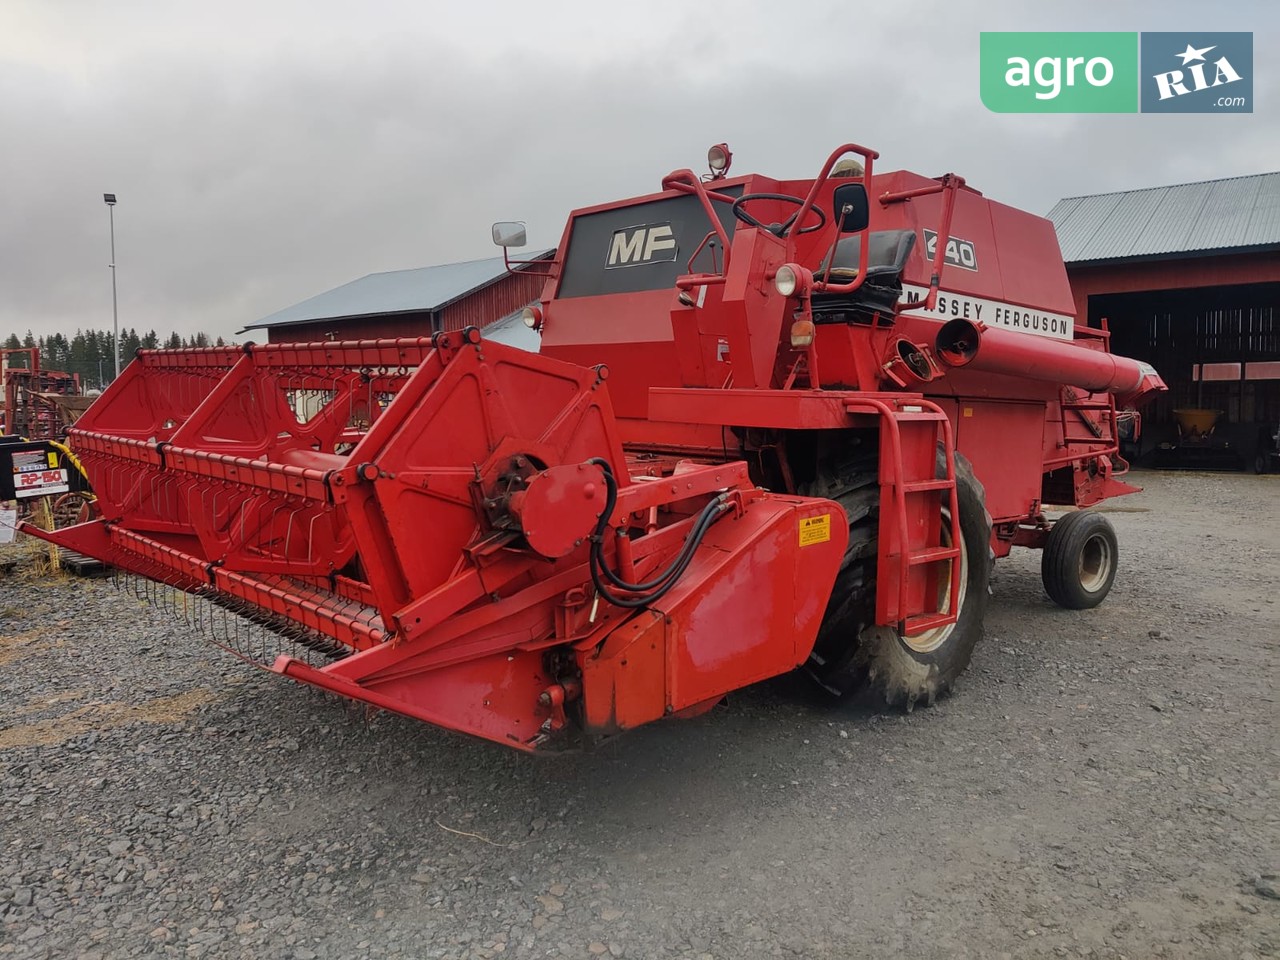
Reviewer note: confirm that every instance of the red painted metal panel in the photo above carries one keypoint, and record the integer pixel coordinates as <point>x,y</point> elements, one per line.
<point>1004,440</point>
<point>736,619</point>
<point>633,336</point>
<point>731,619</point>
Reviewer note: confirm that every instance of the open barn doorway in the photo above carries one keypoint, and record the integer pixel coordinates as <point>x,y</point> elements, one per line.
<point>1218,349</point>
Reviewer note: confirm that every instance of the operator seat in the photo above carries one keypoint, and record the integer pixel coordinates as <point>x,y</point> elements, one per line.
<point>887,254</point>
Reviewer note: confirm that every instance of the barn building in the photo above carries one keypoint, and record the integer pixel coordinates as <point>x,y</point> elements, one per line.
<point>1187,278</point>
<point>408,303</point>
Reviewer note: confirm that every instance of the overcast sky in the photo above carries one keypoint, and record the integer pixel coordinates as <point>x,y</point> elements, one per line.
<point>265,151</point>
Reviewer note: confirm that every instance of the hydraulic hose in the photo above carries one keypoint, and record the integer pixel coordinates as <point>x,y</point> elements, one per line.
<point>649,591</point>
<point>63,449</point>
<point>611,488</point>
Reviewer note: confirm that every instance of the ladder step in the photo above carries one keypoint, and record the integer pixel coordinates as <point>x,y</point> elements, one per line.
<point>904,416</point>
<point>933,555</point>
<point>925,621</point>
<point>919,486</point>
<point>919,417</point>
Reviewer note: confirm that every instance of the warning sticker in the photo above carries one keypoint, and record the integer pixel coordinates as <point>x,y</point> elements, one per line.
<point>815,530</point>
<point>28,461</point>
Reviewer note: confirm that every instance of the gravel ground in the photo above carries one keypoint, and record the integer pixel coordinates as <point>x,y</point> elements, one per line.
<point>1102,784</point>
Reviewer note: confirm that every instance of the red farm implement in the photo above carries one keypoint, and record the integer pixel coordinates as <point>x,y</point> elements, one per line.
<point>772,424</point>
<point>38,404</point>
<point>39,407</point>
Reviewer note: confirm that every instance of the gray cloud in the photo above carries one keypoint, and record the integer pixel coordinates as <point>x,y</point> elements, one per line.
<point>265,152</point>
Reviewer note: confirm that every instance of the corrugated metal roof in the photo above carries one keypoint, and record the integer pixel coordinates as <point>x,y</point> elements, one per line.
<point>395,291</point>
<point>1213,215</point>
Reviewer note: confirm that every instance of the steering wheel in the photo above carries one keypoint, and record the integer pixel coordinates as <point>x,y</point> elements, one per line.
<point>776,229</point>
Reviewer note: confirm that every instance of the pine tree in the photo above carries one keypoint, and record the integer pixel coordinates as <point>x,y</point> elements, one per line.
<point>79,355</point>
<point>129,345</point>
<point>15,359</point>
<point>90,353</point>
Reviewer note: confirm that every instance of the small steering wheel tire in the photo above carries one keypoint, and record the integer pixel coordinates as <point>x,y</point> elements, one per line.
<point>1080,559</point>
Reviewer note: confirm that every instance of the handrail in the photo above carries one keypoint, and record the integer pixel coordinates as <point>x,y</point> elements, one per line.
<point>865,152</point>
<point>949,184</point>
<point>686,181</point>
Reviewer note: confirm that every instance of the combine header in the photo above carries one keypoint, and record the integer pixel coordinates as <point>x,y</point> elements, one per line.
<point>772,424</point>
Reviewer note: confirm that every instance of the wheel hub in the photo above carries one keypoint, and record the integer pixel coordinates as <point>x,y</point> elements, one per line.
<point>1095,564</point>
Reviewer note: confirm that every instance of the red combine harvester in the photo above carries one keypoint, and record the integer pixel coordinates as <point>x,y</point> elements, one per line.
<point>772,424</point>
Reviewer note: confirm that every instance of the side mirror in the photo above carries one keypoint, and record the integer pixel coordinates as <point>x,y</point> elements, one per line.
<point>851,207</point>
<point>507,233</point>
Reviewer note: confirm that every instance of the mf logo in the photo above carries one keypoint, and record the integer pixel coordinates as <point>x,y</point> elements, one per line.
<point>1197,73</point>
<point>959,253</point>
<point>648,243</point>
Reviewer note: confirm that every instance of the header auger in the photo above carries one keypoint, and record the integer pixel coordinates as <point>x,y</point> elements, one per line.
<point>772,424</point>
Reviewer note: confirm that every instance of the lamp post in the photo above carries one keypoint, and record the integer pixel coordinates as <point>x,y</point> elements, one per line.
<point>110,200</point>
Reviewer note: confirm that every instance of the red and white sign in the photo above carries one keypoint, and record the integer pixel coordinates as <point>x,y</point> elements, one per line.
<point>39,483</point>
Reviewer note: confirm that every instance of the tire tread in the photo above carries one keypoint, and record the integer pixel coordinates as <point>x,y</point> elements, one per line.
<point>1060,563</point>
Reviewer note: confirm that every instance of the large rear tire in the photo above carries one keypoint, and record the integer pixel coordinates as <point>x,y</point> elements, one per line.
<point>833,662</point>
<point>851,651</point>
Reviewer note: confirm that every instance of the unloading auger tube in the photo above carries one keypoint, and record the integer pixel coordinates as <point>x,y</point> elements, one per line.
<point>965,343</point>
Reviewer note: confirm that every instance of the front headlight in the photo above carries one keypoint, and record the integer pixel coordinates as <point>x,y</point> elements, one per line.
<point>719,158</point>
<point>785,280</point>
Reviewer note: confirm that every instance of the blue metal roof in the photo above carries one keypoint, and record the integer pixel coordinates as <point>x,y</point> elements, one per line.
<point>1213,216</point>
<point>395,291</point>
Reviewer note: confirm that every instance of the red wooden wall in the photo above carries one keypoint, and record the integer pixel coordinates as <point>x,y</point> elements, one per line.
<point>1169,275</point>
<point>479,308</point>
